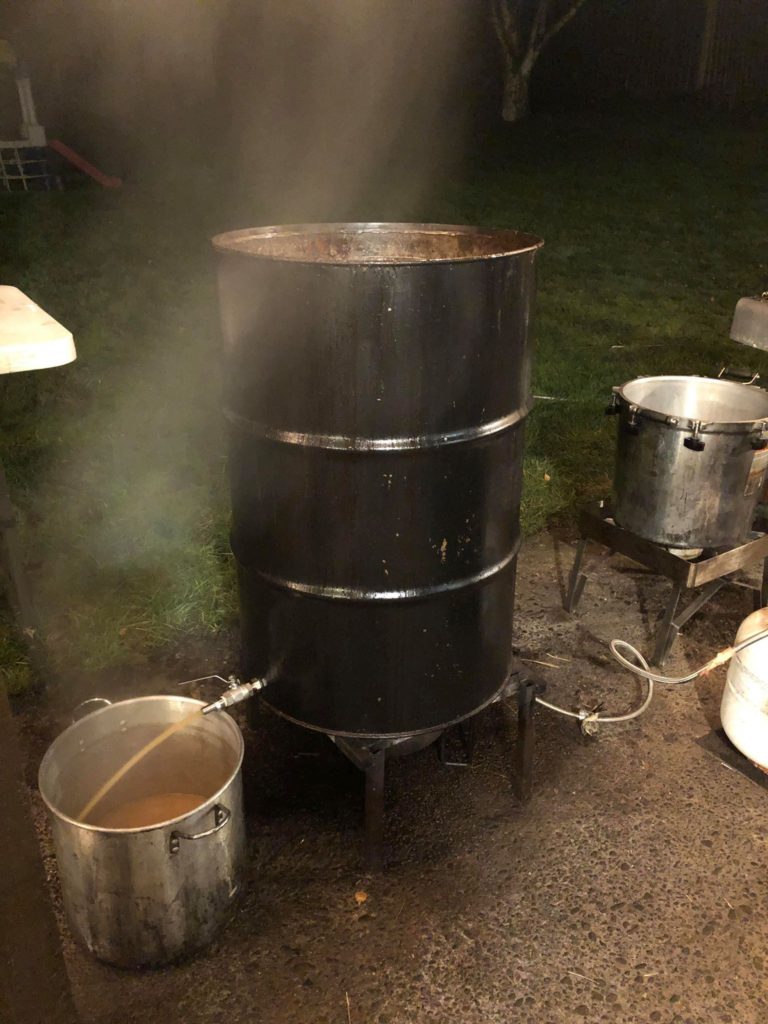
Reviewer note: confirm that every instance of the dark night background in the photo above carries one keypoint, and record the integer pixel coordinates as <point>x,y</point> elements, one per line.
<point>646,180</point>
<point>245,83</point>
<point>631,890</point>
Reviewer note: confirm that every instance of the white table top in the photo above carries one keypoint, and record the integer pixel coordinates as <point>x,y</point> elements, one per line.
<point>29,338</point>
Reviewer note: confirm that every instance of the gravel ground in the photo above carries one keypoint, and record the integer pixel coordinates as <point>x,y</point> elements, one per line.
<point>632,888</point>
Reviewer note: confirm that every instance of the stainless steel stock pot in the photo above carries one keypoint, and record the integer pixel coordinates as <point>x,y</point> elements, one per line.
<point>690,459</point>
<point>144,896</point>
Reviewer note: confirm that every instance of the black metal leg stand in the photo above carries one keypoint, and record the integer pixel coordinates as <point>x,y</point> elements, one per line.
<point>705,574</point>
<point>673,621</point>
<point>526,704</point>
<point>372,761</point>
<point>374,810</point>
<point>465,733</point>
<point>667,632</point>
<point>577,579</point>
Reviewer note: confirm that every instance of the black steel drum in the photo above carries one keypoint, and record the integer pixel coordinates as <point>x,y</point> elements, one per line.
<point>377,382</point>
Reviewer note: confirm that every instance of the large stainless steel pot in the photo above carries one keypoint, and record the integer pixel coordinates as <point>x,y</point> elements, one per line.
<point>691,459</point>
<point>146,896</point>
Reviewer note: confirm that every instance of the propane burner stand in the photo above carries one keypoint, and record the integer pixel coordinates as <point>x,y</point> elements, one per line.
<point>707,573</point>
<point>370,756</point>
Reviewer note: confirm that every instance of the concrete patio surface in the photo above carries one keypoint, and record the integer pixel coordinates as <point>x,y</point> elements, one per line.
<point>632,889</point>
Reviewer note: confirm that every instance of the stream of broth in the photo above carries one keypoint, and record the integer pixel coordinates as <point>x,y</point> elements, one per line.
<point>100,793</point>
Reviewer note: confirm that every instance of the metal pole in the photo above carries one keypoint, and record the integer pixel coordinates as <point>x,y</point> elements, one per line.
<point>374,810</point>
<point>577,578</point>
<point>708,34</point>
<point>526,704</point>
<point>761,595</point>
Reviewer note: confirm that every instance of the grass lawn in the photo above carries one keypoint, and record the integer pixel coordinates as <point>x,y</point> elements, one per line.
<point>654,223</point>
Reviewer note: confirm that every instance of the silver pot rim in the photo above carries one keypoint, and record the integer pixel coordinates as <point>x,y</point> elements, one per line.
<point>686,423</point>
<point>208,804</point>
<point>249,242</point>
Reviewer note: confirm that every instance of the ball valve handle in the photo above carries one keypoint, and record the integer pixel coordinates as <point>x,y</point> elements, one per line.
<point>236,693</point>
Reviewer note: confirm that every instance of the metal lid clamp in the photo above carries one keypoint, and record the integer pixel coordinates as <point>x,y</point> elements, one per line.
<point>612,408</point>
<point>758,442</point>
<point>694,443</point>
<point>632,425</point>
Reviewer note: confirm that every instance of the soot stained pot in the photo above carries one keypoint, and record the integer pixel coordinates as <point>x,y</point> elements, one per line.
<point>690,460</point>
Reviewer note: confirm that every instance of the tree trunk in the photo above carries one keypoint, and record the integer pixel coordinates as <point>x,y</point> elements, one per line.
<point>707,43</point>
<point>516,94</point>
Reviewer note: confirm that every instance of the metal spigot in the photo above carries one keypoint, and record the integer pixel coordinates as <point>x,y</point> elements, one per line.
<point>235,693</point>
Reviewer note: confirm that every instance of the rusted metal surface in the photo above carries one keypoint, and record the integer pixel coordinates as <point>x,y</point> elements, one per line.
<point>373,244</point>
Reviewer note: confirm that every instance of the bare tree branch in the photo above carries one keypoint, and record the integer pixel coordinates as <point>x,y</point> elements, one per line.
<point>497,24</point>
<point>521,45</point>
<point>539,24</point>
<point>560,23</point>
<point>506,28</point>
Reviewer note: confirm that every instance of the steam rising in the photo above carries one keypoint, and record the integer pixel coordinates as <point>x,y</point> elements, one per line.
<point>352,97</point>
<point>313,104</point>
<point>218,114</point>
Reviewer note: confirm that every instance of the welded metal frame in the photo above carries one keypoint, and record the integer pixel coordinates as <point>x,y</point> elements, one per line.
<point>370,757</point>
<point>708,573</point>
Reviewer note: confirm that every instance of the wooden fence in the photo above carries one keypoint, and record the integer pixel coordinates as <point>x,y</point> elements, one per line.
<point>715,49</point>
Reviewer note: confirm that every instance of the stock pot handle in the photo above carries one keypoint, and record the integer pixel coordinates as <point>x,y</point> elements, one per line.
<point>91,700</point>
<point>738,374</point>
<point>221,816</point>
